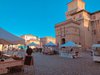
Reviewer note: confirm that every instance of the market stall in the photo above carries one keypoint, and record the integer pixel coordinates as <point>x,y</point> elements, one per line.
<point>33,45</point>
<point>50,48</point>
<point>69,49</point>
<point>7,61</point>
<point>10,37</point>
<point>96,52</point>
<point>5,66</point>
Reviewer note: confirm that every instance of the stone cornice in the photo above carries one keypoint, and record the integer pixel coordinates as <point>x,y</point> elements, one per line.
<point>67,22</point>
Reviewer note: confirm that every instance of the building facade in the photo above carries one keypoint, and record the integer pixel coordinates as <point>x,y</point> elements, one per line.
<point>81,26</point>
<point>46,40</point>
<point>29,38</point>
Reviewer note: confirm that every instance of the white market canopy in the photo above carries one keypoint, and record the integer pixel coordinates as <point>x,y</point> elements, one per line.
<point>2,41</point>
<point>70,44</point>
<point>10,37</point>
<point>50,44</point>
<point>32,44</point>
<point>96,45</point>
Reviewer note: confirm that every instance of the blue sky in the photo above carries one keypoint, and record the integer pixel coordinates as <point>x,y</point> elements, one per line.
<point>37,17</point>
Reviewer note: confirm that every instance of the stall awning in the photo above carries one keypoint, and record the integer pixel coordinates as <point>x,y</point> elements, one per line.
<point>96,45</point>
<point>70,44</point>
<point>10,37</point>
<point>32,44</point>
<point>50,44</point>
<point>2,41</point>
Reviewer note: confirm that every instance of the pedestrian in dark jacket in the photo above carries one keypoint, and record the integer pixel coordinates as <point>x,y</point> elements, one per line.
<point>29,51</point>
<point>29,58</point>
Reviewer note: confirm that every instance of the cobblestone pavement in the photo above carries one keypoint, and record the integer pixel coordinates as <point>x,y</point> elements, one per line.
<point>56,65</point>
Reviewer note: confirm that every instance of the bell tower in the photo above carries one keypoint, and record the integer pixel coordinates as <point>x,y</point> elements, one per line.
<point>75,6</point>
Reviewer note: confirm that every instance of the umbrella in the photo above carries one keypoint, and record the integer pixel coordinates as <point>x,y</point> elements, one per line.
<point>50,44</point>
<point>70,44</point>
<point>22,46</point>
<point>32,44</point>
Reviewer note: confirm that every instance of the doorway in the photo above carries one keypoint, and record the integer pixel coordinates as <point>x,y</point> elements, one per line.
<point>63,41</point>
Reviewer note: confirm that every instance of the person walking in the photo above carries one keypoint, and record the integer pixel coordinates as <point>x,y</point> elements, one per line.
<point>29,51</point>
<point>29,61</point>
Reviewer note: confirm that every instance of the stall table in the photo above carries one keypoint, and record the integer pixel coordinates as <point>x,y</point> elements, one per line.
<point>4,65</point>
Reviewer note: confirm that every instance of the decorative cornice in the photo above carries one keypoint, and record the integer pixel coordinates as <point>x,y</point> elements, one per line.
<point>86,12</point>
<point>67,22</point>
<point>80,12</point>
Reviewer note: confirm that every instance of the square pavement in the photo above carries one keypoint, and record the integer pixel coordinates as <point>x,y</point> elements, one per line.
<point>56,65</point>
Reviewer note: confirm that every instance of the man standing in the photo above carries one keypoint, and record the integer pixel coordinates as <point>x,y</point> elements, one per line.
<point>29,51</point>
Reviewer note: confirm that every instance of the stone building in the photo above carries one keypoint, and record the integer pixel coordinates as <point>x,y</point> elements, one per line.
<point>81,26</point>
<point>29,38</point>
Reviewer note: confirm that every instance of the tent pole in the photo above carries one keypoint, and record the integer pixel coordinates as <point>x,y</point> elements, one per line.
<point>12,46</point>
<point>8,47</point>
